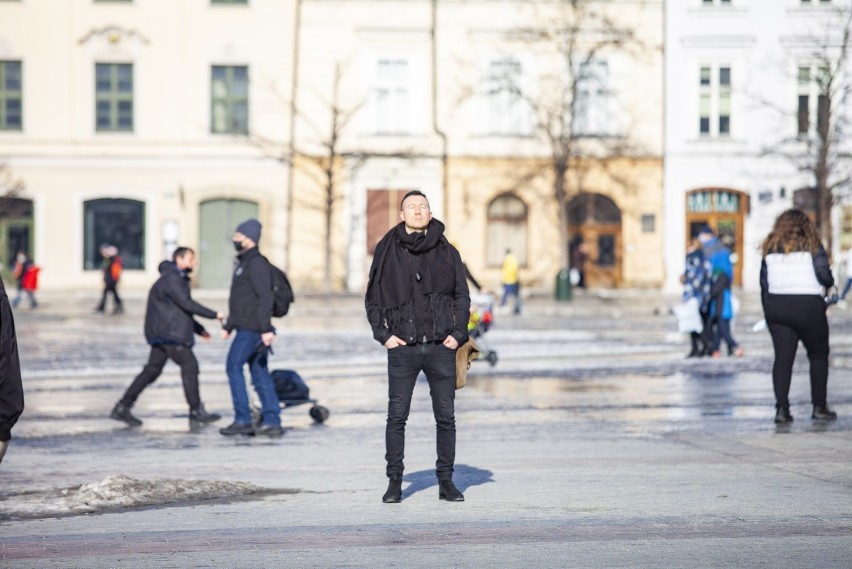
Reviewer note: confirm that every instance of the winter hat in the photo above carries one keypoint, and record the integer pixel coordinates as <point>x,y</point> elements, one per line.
<point>251,229</point>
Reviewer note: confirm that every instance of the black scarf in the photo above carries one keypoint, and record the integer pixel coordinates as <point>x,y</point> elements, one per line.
<point>400,257</point>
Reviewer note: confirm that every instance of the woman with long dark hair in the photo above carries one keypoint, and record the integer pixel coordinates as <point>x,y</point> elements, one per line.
<point>793,277</point>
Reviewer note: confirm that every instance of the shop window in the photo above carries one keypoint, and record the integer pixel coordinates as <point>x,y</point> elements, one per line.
<point>118,222</point>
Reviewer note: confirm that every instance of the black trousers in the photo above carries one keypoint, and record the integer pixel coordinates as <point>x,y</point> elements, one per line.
<point>110,288</point>
<point>158,357</point>
<point>404,365</point>
<point>790,318</point>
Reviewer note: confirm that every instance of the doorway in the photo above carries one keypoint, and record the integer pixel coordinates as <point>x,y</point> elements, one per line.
<point>724,211</point>
<point>219,219</point>
<point>16,229</point>
<point>595,221</point>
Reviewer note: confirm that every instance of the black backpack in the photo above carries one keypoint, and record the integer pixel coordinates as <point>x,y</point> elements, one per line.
<point>282,292</point>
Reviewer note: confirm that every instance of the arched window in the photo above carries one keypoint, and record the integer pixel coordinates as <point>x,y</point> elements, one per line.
<point>507,229</point>
<point>117,222</point>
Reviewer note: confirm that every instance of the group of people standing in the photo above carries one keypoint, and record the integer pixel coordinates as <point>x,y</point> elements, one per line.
<point>795,275</point>
<point>707,279</point>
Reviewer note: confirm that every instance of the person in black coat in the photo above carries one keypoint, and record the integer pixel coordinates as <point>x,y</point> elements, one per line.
<point>169,329</point>
<point>11,388</point>
<point>418,305</point>
<point>250,316</point>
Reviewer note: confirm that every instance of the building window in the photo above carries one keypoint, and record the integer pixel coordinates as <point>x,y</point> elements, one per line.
<point>813,2</point>
<point>649,223</point>
<point>118,222</point>
<point>716,2</point>
<point>506,112</point>
<point>812,86</point>
<point>592,114</point>
<point>507,229</point>
<point>11,96</point>
<point>391,96</point>
<point>229,1</point>
<point>229,99</point>
<point>114,97</point>
<point>714,106</point>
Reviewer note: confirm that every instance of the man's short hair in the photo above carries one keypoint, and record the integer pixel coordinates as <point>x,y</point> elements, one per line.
<point>181,252</point>
<point>409,194</point>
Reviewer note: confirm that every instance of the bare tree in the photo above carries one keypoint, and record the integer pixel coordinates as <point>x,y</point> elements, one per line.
<point>579,35</point>
<point>819,148</point>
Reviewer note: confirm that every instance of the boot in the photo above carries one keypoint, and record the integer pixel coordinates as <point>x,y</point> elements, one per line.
<point>448,491</point>
<point>782,415</point>
<point>201,416</point>
<point>121,412</point>
<point>823,413</point>
<point>394,493</point>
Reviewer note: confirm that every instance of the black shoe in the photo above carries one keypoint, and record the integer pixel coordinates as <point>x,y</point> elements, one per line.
<point>269,431</point>
<point>823,413</point>
<point>201,416</point>
<point>237,429</point>
<point>782,415</point>
<point>122,413</point>
<point>394,493</point>
<point>448,491</point>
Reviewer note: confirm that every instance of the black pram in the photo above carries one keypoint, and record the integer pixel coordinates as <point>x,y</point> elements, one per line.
<point>292,390</point>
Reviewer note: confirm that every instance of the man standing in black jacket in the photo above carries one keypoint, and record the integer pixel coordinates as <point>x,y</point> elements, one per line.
<point>11,389</point>
<point>250,315</point>
<point>418,306</point>
<point>169,328</point>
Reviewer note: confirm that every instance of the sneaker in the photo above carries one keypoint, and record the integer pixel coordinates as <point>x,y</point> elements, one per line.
<point>122,413</point>
<point>201,416</point>
<point>237,429</point>
<point>269,431</point>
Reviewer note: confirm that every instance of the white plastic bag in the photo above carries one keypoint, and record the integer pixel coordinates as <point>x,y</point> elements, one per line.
<point>688,316</point>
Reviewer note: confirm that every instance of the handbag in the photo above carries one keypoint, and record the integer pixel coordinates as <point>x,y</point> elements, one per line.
<point>688,316</point>
<point>831,297</point>
<point>465,354</point>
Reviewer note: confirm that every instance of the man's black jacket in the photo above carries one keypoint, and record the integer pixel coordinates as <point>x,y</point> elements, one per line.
<point>11,389</point>
<point>168,318</point>
<point>250,303</point>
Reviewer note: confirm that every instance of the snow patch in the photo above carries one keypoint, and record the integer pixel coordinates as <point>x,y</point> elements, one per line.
<point>119,492</point>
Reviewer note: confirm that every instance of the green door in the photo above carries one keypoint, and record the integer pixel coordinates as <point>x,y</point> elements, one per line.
<point>219,219</point>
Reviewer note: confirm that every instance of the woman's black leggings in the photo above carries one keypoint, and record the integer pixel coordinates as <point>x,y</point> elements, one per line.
<point>790,318</point>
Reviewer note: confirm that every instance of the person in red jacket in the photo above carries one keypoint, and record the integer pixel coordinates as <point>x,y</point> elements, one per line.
<point>112,267</point>
<point>25,272</point>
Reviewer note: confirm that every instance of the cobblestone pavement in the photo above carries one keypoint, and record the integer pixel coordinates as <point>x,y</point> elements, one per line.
<point>592,442</point>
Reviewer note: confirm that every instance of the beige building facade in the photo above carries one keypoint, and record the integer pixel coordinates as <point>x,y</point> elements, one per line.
<point>152,125</point>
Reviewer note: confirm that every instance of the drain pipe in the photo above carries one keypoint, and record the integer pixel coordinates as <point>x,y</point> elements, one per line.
<point>435,126</point>
<point>294,85</point>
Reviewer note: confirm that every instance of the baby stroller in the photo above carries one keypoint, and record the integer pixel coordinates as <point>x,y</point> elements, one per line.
<point>292,391</point>
<point>481,318</point>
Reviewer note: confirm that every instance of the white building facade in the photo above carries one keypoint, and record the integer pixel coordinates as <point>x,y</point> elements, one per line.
<point>741,83</point>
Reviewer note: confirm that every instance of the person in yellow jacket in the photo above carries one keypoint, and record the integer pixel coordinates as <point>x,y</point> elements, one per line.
<point>509,278</point>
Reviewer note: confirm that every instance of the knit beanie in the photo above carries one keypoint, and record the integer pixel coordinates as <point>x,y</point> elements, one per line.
<point>251,229</point>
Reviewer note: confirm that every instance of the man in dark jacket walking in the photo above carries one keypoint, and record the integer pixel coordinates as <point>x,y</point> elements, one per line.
<point>418,306</point>
<point>11,389</point>
<point>250,315</point>
<point>169,328</point>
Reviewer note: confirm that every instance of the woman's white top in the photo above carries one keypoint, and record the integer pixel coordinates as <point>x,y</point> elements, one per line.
<point>792,273</point>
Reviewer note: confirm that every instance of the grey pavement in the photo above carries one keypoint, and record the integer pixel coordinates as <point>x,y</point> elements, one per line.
<point>591,443</point>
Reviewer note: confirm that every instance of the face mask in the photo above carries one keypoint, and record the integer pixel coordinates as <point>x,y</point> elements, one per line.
<point>187,270</point>
<point>238,246</point>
